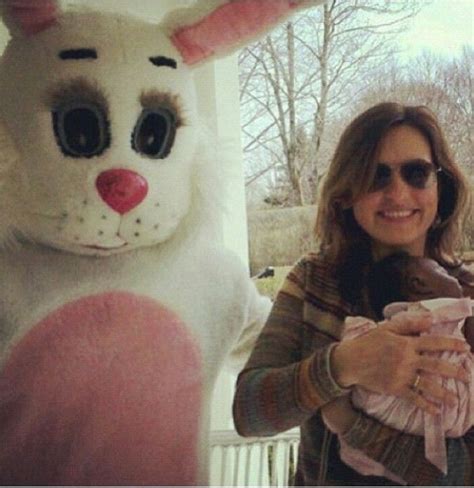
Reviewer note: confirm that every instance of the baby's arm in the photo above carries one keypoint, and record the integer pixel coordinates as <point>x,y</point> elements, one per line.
<point>339,415</point>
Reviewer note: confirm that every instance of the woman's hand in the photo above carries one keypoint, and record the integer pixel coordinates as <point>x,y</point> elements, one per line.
<point>339,414</point>
<point>388,360</point>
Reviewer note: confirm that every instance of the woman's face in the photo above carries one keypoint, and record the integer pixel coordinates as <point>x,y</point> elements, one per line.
<point>399,216</point>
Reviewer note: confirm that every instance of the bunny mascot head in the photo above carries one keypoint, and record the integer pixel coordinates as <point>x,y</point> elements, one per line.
<point>117,310</point>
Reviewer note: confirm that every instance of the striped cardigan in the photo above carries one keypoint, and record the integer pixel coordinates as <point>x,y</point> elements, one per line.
<point>287,379</point>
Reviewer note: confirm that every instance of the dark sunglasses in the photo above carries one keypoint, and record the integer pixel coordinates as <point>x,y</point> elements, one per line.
<point>417,174</point>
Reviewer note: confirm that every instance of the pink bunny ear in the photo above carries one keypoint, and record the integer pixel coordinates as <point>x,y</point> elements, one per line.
<point>28,17</point>
<point>228,26</point>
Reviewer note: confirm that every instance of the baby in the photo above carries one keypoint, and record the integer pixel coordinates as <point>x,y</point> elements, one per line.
<point>404,278</point>
<point>405,283</point>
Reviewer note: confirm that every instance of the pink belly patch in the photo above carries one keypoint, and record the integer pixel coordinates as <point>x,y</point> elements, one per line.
<point>104,391</point>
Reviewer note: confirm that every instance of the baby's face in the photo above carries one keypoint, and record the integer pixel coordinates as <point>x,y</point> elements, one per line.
<point>427,279</point>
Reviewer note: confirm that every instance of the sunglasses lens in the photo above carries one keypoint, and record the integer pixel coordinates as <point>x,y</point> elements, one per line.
<point>382,177</point>
<point>417,175</point>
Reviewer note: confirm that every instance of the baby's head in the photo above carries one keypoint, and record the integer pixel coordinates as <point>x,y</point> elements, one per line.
<point>403,278</point>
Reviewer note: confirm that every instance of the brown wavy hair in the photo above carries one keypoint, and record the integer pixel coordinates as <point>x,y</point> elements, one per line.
<point>352,170</point>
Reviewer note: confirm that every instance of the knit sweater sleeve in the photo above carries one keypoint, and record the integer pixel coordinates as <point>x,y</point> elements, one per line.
<point>404,454</point>
<point>279,389</point>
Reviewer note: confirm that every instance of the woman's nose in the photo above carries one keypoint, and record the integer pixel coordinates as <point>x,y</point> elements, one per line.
<point>397,188</point>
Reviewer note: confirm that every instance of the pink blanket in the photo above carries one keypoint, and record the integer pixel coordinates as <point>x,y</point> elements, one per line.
<point>449,315</point>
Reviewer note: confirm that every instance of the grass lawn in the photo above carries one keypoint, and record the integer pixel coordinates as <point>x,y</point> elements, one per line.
<point>468,256</point>
<point>270,286</point>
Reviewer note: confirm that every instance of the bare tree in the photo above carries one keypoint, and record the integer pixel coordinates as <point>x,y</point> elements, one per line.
<point>301,76</point>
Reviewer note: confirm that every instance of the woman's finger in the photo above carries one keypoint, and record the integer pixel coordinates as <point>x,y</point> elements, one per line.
<point>439,367</point>
<point>440,343</point>
<point>429,387</point>
<point>421,402</point>
<point>409,323</point>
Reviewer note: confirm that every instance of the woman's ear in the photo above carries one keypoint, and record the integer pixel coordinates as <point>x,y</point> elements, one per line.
<point>344,201</point>
<point>345,204</point>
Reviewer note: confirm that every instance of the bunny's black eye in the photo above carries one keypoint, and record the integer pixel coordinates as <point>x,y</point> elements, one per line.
<point>154,133</point>
<point>81,129</point>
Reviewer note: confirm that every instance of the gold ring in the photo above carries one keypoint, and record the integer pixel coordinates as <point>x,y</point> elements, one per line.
<point>415,384</point>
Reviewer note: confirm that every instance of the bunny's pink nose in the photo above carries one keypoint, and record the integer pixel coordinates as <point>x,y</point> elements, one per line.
<point>121,189</point>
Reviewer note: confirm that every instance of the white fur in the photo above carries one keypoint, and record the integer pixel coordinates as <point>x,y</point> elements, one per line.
<point>61,184</point>
<point>67,242</point>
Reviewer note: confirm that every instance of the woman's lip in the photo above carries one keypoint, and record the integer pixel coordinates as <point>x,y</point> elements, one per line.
<point>397,214</point>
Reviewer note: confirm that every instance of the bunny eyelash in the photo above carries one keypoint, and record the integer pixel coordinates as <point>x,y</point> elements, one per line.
<point>69,92</point>
<point>155,99</point>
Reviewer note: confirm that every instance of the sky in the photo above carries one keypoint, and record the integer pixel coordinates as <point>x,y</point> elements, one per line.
<point>443,27</point>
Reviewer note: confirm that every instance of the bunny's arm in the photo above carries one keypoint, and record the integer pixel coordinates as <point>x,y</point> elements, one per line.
<point>257,310</point>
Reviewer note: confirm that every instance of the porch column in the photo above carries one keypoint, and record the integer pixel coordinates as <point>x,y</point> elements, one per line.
<point>218,94</point>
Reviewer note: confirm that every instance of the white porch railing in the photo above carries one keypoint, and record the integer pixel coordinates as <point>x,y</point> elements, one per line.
<point>253,461</point>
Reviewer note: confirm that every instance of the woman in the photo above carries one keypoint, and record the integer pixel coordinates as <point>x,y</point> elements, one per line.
<point>392,186</point>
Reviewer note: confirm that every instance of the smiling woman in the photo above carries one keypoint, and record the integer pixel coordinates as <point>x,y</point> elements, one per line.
<point>399,214</point>
<point>418,207</point>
